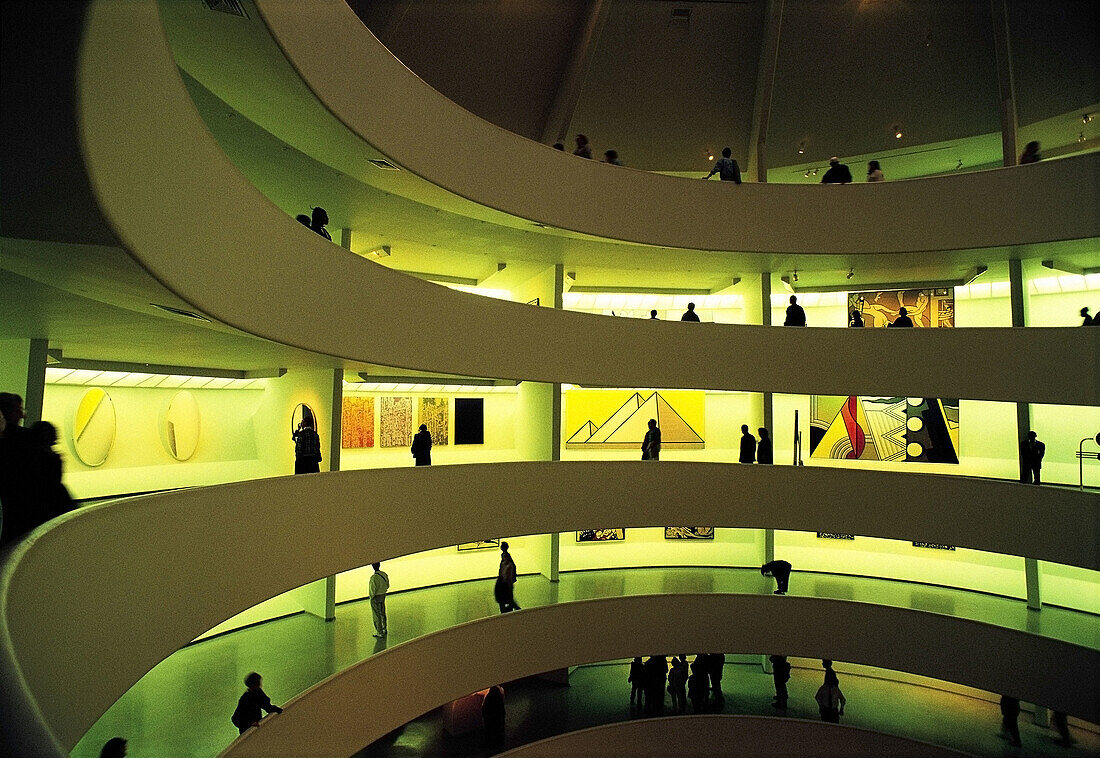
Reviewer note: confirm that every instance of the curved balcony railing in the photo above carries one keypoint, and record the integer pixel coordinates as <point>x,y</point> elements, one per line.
<point>184,561</point>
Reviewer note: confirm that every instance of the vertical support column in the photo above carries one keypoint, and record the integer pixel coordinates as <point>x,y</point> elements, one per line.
<point>345,238</point>
<point>569,91</point>
<point>765,81</point>
<point>554,569</point>
<point>1006,90</point>
<point>336,422</point>
<point>23,372</point>
<point>1017,293</point>
<point>769,418</point>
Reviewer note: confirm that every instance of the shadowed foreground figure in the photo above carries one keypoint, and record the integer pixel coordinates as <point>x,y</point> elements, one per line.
<point>764,447</point>
<point>651,443</point>
<point>254,699</point>
<point>781,674</point>
<point>492,714</point>
<point>903,318</point>
<point>1032,451</point>
<point>796,316</point>
<point>830,700</point>
<point>748,446</point>
<point>422,446</point>
<point>1010,711</point>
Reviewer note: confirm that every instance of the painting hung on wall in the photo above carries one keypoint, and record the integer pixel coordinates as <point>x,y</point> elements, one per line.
<point>357,423</point>
<point>928,308</point>
<point>434,414</point>
<point>689,532</point>
<point>912,429</point>
<point>469,421</point>
<point>619,419</point>
<point>396,422</point>
<point>601,535</point>
<point>480,545</point>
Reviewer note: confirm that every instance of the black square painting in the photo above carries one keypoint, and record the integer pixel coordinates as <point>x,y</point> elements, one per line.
<point>469,421</point>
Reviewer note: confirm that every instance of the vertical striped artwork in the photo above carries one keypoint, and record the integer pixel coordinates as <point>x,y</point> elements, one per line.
<point>357,423</point>
<point>395,422</point>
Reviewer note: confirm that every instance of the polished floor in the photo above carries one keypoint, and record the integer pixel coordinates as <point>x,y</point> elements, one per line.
<point>182,707</point>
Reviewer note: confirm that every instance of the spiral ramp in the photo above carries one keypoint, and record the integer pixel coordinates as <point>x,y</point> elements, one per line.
<point>147,156</point>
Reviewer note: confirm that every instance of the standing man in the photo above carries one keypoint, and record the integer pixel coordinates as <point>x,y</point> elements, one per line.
<point>690,314</point>
<point>838,173</point>
<point>307,447</point>
<point>781,570</point>
<point>504,590</point>
<point>748,446</point>
<point>764,447</point>
<point>379,586</point>
<point>903,318</point>
<point>781,674</point>
<point>1031,458</point>
<point>254,699</point>
<point>726,168</point>
<point>422,446</point>
<point>651,444</point>
<point>795,315</point>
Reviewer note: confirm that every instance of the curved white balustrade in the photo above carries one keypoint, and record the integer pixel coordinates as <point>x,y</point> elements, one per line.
<point>377,97</point>
<point>718,736</point>
<point>240,260</point>
<point>330,718</point>
<point>107,592</point>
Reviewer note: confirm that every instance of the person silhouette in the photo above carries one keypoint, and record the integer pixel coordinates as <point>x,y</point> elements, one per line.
<point>830,700</point>
<point>56,498</point>
<point>113,748</point>
<point>656,672</point>
<point>320,218</point>
<point>677,684</point>
<point>611,157</point>
<point>903,318</point>
<point>251,703</point>
<point>795,315</point>
<point>781,570</point>
<point>698,684</point>
<point>855,319</point>
<point>504,589</point>
<point>636,678</point>
<point>422,446</point>
<point>690,314</point>
<point>764,447</point>
<point>377,589</point>
<point>781,674</point>
<point>874,172</point>
<point>651,443</point>
<point>1010,712</point>
<point>559,146</point>
<point>653,314</point>
<point>748,446</point>
<point>307,447</point>
<point>303,219</point>
<point>1032,451</point>
<point>493,716</point>
<point>838,173</point>
<point>1087,319</point>
<point>1031,153</point>
<point>726,168</point>
<point>584,150</point>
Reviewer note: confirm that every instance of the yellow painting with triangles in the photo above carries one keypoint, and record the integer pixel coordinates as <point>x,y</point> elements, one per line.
<point>618,419</point>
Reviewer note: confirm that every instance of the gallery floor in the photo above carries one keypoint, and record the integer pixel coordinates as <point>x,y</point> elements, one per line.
<point>182,707</point>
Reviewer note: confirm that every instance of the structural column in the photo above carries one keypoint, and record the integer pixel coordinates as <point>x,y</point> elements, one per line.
<point>765,81</point>
<point>569,90</point>
<point>23,372</point>
<point>1017,293</point>
<point>769,418</point>
<point>1006,90</point>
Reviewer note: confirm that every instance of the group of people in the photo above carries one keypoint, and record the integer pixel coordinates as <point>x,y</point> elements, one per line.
<point>1088,320</point>
<point>30,472</point>
<point>584,150</point>
<point>701,683</point>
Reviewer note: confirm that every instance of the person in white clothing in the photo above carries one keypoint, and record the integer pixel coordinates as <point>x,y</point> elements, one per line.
<point>379,585</point>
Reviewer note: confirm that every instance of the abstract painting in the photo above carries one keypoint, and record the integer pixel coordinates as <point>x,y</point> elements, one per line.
<point>480,545</point>
<point>434,414</point>
<point>601,535</point>
<point>396,422</point>
<point>929,308</point>
<point>626,416</point>
<point>469,421</point>
<point>357,423</point>
<point>912,429</point>
<point>689,532</point>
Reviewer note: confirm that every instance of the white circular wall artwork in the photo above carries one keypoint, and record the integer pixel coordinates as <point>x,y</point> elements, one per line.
<point>94,427</point>
<point>181,425</point>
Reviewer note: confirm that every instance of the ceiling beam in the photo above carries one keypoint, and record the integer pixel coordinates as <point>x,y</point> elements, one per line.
<point>1060,265</point>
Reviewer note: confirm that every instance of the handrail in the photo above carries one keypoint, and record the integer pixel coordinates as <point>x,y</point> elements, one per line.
<point>446,665</point>
<point>74,591</point>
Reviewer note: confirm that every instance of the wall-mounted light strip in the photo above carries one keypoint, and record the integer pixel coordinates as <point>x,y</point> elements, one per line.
<point>92,377</point>
<point>353,388</point>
